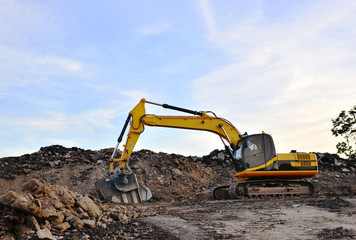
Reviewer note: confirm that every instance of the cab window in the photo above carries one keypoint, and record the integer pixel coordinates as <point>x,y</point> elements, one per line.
<point>254,151</point>
<point>258,150</point>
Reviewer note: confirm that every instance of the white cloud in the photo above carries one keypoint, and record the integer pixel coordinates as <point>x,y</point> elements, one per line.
<point>288,77</point>
<point>59,122</point>
<point>209,18</point>
<point>16,151</point>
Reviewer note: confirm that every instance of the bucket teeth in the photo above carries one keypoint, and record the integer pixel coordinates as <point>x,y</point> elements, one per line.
<point>123,188</point>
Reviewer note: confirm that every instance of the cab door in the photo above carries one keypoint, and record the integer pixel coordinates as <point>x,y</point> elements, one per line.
<point>258,149</point>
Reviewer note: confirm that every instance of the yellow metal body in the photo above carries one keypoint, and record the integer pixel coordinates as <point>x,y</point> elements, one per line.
<point>203,123</point>
<point>284,166</point>
<point>289,165</point>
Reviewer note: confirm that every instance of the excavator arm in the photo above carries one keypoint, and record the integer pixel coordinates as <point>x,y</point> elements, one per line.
<point>124,186</point>
<point>200,121</point>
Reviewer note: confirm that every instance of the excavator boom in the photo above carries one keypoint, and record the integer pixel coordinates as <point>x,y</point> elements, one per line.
<point>202,122</point>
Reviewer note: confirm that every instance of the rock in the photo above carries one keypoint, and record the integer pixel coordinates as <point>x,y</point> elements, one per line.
<point>66,197</point>
<point>63,226</point>
<point>8,198</point>
<point>19,203</point>
<point>38,192</point>
<point>51,164</point>
<point>221,155</point>
<point>45,234</point>
<point>89,223</point>
<point>31,185</point>
<point>84,215</point>
<point>88,205</point>
<point>177,171</point>
<point>124,219</point>
<point>38,203</point>
<point>32,223</point>
<point>52,216</point>
<point>76,223</point>
<point>47,224</point>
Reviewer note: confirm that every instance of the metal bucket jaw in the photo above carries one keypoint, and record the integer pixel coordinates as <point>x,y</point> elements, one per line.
<point>123,188</point>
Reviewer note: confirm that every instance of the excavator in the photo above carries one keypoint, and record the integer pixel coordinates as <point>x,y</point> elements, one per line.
<point>260,171</point>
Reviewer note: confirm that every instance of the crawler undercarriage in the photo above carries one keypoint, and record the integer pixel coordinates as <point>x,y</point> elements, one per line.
<point>263,189</point>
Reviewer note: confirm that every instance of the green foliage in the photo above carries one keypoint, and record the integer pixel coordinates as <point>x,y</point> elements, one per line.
<point>345,125</point>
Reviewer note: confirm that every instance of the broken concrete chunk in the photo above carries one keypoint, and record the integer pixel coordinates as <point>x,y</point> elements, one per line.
<point>8,198</point>
<point>63,226</point>
<point>89,223</point>
<point>76,223</point>
<point>31,185</point>
<point>40,190</point>
<point>45,234</point>
<point>88,205</point>
<point>66,197</point>
<point>84,215</point>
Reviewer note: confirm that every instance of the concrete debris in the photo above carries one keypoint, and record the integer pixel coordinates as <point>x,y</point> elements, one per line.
<point>60,210</point>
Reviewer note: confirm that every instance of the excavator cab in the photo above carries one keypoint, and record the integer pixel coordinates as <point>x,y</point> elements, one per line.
<point>255,152</point>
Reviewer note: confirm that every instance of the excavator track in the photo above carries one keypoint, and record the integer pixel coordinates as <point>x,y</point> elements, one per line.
<point>263,189</point>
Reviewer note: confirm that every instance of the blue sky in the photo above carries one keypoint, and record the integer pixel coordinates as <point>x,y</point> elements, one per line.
<point>71,71</point>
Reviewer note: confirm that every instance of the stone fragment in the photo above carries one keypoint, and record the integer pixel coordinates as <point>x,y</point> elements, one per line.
<point>38,203</point>
<point>32,223</point>
<point>88,205</point>
<point>124,219</point>
<point>47,224</point>
<point>57,204</point>
<point>31,185</point>
<point>8,198</point>
<point>66,197</point>
<point>38,192</point>
<point>89,223</point>
<point>52,216</point>
<point>76,223</point>
<point>84,215</point>
<point>45,234</point>
<point>177,171</point>
<point>63,226</point>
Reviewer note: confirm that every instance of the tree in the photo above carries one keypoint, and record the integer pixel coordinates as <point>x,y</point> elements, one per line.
<point>345,125</point>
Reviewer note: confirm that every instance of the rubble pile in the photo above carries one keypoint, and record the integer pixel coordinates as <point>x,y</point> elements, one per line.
<point>45,210</point>
<point>50,157</point>
<point>336,175</point>
<point>59,196</point>
<point>172,177</point>
<point>333,162</point>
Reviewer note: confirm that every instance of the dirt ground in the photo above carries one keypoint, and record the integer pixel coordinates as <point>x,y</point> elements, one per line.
<point>320,218</point>
<point>179,208</point>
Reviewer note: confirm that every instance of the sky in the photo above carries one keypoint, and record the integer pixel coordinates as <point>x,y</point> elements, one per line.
<point>70,71</point>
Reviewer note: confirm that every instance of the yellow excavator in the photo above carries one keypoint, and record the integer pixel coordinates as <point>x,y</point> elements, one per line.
<point>260,171</point>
